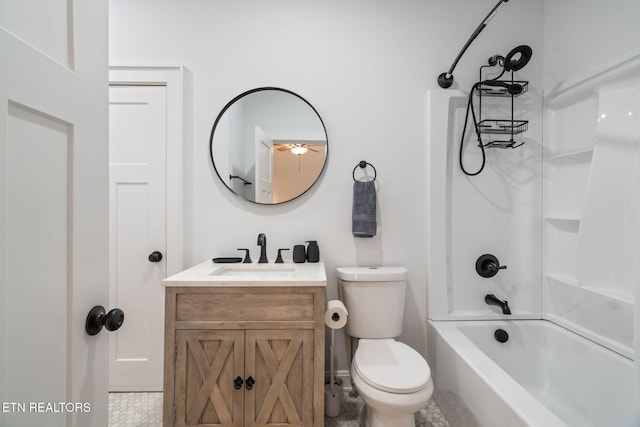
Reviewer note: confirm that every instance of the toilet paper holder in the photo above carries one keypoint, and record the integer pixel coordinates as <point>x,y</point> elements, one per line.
<point>333,389</point>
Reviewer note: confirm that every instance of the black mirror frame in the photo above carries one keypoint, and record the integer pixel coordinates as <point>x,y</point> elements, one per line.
<point>229,104</point>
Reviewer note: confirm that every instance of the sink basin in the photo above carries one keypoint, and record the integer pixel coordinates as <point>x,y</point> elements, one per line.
<point>255,270</point>
<point>271,274</point>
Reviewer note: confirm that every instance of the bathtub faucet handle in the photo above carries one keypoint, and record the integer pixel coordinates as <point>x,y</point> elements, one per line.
<point>488,265</point>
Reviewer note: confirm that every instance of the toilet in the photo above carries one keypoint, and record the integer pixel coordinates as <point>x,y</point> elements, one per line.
<point>393,379</point>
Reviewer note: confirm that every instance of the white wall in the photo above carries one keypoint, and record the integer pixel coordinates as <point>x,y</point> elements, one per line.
<point>365,65</point>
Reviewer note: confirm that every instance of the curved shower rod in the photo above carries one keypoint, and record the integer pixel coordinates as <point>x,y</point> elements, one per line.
<point>445,80</point>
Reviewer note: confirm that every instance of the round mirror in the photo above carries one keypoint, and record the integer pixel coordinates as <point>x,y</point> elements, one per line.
<point>268,145</point>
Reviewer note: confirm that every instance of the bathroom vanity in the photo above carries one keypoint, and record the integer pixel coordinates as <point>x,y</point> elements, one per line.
<point>244,345</point>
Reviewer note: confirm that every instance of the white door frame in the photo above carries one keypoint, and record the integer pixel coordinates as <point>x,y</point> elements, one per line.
<point>173,78</point>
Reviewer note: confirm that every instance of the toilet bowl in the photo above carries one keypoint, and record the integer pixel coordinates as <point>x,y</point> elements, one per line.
<point>393,379</point>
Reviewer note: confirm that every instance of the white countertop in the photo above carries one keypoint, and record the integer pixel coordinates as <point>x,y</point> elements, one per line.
<point>209,273</point>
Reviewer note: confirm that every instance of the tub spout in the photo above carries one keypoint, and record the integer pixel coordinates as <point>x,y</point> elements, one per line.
<point>492,300</point>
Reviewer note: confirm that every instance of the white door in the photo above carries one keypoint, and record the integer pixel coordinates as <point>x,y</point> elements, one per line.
<point>53,211</point>
<point>137,190</point>
<point>264,166</point>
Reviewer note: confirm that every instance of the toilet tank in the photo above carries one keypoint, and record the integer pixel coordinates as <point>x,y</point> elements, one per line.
<point>374,297</point>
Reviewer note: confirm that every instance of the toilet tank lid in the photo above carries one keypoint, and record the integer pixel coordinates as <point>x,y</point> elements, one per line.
<point>372,274</point>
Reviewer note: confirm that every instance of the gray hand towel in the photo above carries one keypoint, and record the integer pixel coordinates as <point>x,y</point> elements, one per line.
<point>364,209</point>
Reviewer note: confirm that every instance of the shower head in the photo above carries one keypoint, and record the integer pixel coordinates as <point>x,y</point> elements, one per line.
<point>517,58</point>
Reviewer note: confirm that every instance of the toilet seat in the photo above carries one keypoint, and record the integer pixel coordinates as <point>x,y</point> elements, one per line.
<point>391,366</point>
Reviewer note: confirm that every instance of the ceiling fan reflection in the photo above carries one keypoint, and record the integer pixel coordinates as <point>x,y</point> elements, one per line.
<point>298,149</point>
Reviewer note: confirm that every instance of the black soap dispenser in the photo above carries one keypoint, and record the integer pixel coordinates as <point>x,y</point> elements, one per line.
<point>313,251</point>
<point>299,254</point>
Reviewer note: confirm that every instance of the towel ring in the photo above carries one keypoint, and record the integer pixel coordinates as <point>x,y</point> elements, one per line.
<point>363,164</point>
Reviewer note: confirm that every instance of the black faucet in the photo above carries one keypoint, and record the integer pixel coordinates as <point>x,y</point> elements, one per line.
<point>488,265</point>
<point>492,300</point>
<point>262,242</point>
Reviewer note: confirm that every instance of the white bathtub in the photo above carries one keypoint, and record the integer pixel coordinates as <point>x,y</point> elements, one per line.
<point>543,376</point>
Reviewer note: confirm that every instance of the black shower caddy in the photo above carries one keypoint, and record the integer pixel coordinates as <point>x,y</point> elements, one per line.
<point>511,127</point>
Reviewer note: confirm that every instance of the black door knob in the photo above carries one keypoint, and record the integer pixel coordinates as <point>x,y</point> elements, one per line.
<point>155,256</point>
<point>98,318</point>
<point>114,319</point>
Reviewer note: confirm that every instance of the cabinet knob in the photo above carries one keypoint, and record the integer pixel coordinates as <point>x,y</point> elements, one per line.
<point>250,382</point>
<point>237,383</point>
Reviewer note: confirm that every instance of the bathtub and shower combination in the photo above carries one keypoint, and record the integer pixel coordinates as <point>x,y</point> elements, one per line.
<point>564,357</point>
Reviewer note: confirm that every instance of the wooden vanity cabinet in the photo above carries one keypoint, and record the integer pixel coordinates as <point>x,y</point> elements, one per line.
<point>244,356</point>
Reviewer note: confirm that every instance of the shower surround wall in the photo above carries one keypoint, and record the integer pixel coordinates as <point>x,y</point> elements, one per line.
<point>590,213</point>
<point>592,207</point>
<point>365,66</point>
<point>586,165</point>
<point>496,212</point>
<point>592,173</point>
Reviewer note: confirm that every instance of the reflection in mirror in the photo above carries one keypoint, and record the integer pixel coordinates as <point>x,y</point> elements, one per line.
<point>268,145</point>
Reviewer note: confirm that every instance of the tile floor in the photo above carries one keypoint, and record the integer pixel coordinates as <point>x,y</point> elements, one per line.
<point>135,409</point>
<point>145,410</point>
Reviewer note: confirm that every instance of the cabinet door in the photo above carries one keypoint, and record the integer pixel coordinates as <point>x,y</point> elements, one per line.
<point>281,362</point>
<point>207,362</point>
